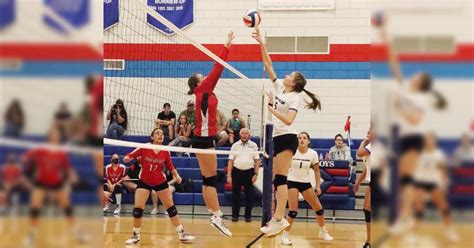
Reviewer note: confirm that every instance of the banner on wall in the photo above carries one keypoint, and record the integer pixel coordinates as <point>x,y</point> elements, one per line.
<point>74,12</point>
<point>111,13</point>
<point>7,12</point>
<point>296,4</point>
<point>179,12</point>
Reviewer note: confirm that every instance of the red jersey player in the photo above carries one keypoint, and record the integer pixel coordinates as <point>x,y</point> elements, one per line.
<point>115,174</point>
<point>152,178</point>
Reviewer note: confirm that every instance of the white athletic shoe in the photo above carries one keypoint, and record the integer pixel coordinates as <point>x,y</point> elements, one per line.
<point>154,211</point>
<point>401,226</point>
<point>219,225</point>
<point>183,237</point>
<point>274,227</point>
<point>452,235</point>
<point>324,234</point>
<point>285,239</point>
<point>117,210</point>
<point>133,240</point>
<point>106,208</point>
<point>411,239</point>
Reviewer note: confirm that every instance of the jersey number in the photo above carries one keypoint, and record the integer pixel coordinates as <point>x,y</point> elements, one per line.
<point>276,104</point>
<point>153,167</point>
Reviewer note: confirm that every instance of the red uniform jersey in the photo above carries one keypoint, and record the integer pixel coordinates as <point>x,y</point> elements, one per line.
<point>152,165</point>
<point>50,167</point>
<point>10,173</point>
<point>206,100</point>
<point>115,174</point>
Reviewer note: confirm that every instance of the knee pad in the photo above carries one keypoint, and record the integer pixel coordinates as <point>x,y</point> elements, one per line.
<point>34,213</point>
<point>172,211</point>
<point>137,213</point>
<point>419,215</point>
<point>406,180</point>
<point>292,214</point>
<point>68,211</point>
<point>279,180</point>
<point>446,212</point>
<point>367,215</point>
<point>106,187</point>
<point>210,181</point>
<point>118,189</point>
<point>320,212</point>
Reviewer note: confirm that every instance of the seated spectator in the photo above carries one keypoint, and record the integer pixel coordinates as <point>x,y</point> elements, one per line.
<point>182,134</point>
<point>234,125</point>
<point>222,137</point>
<point>189,112</point>
<point>465,151</point>
<point>14,120</point>
<point>166,120</point>
<point>12,181</point>
<point>118,120</point>
<point>115,174</point>
<point>63,120</point>
<point>340,151</point>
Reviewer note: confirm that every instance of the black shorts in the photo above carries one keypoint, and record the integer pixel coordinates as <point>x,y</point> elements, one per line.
<point>285,142</point>
<point>300,186</point>
<point>159,187</point>
<point>374,178</point>
<point>203,142</point>
<point>428,187</point>
<point>52,187</point>
<point>411,142</point>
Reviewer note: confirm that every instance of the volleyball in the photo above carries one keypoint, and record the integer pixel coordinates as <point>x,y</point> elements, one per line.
<point>252,18</point>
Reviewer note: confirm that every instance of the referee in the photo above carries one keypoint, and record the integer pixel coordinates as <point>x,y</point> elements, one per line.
<point>242,171</point>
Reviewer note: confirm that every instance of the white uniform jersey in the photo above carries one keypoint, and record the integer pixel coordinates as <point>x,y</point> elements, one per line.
<point>367,160</point>
<point>377,155</point>
<point>412,102</point>
<point>301,166</point>
<point>429,167</point>
<point>283,103</point>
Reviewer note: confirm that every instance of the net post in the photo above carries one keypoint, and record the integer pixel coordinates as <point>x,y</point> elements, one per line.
<point>267,175</point>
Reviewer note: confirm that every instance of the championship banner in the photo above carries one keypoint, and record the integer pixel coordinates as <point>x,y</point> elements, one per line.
<point>7,12</point>
<point>74,12</point>
<point>296,4</point>
<point>179,12</point>
<point>111,13</point>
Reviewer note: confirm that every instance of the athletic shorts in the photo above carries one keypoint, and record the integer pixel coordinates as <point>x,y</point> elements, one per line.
<point>285,142</point>
<point>159,187</point>
<point>411,142</point>
<point>300,186</point>
<point>426,186</point>
<point>203,142</point>
<point>52,187</point>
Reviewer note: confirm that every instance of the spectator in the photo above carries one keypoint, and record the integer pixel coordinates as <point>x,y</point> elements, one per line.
<point>183,132</point>
<point>114,174</point>
<point>465,151</point>
<point>340,151</point>
<point>14,120</point>
<point>242,171</point>
<point>118,120</point>
<point>63,120</point>
<point>130,183</point>
<point>189,112</point>
<point>222,137</point>
<point>234,125</point>
<point>166,120</point>
<point>12,181</point>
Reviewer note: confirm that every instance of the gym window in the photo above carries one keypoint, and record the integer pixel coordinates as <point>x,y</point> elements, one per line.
<point>114,64</point>
<point>298,44</point>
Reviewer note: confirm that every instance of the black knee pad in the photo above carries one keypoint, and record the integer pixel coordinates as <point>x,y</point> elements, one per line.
<point>320,212</point>
<point>292,214</point>
<point>406,180</point>
<point>279,180</point>
<point>68,211</point>
<point>118,189</point>
<point>35,213</point>
<point>172,211</point>
<point>210,181</point>
<point>446,212</point>
<point>106,187</point>
<point>137,213</point>
<point>419,215</point>
<point>367,215</point>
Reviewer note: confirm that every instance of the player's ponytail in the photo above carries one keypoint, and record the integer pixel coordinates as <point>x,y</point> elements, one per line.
<point>300,83</point>
<point>427,86</point>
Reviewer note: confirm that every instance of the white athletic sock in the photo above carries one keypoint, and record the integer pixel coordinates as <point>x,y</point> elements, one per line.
<point>210,211</point>
<point>286,234</point>
<point>118,197</point>
<point>217,213</point>
<point>136,230</point>
<point>323,228</point>
<point>179,228</point>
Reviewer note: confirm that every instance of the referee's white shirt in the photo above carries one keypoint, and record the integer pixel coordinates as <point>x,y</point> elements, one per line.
<point>244,161</point>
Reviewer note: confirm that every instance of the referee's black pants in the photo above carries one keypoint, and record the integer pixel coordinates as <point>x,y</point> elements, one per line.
<point>242,178</point>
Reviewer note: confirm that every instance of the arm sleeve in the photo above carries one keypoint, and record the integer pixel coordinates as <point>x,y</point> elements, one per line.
<point>367,147</point>
<point>232,156</point>
<point>209,83</point>
<point>135,153</point>
<point>315,158</point>
<point>65,161</point>
<point>278,85</point>
<point>255,148</point>
<point>169,163</point>
<point>107,172</point>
